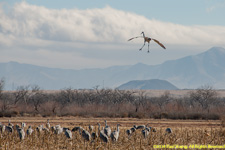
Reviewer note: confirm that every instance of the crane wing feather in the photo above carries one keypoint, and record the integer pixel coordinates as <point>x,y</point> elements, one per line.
<point>159,43</point>
<point>134,38</point>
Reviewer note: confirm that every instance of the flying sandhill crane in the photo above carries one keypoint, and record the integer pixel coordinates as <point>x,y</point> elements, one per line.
<point>102,135</point>
<point>107,129</point>
<point>147,39</point>
<point>115,134</point>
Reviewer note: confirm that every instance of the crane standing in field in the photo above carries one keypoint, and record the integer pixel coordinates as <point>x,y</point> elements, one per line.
<point>115,134</point>
<point>147,39</point>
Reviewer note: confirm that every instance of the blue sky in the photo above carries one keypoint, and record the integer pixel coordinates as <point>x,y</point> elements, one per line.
<point>187,12</point>
<point>93,34</point>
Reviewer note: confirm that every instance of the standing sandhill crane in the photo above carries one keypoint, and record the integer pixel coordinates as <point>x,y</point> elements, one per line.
<point>107,129</point>
<point>29,130</point>
<point>147,39</point>
<point>9,129</point>
<point>39,128</point>
<point>20,132</point>
<point>85,134</point>
<point>68,134</point>
<point>168,130</point>
<point>2,128</point>
<point>48,124</point>
<point>90,128</point>
<point>140,126</point>
<point>115,134</point>
<point>102,135</point>
<point>145,132</point>
<point>9,123</point>
<point>58,129</point>
<point>23,124</point>
<point>131,130</point>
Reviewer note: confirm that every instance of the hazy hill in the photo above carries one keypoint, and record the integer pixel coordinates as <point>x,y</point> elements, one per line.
<point>188,72</point>
<point>153,84</point>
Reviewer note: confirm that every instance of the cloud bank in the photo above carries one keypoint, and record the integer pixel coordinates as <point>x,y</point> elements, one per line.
<point>25,28</point>
<point>98,25</point>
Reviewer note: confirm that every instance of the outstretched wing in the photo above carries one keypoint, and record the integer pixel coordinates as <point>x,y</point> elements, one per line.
<point>159,43</point>
<point>135,38</point>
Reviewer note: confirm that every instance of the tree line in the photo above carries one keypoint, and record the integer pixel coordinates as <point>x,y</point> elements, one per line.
<point>202,103</point>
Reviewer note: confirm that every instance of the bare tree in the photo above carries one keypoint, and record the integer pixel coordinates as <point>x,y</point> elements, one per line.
<point>36,97</point>
<point>2,84</point>
<point>21,95</point>
<point>204,96</point>
<point>163,99</point>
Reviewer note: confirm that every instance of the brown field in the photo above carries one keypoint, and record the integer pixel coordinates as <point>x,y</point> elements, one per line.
<point>185,132</point>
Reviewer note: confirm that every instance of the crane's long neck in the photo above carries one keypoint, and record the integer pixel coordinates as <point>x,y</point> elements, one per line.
<point>118,130</point>
<point>99,128</point>
<point>143,34</point>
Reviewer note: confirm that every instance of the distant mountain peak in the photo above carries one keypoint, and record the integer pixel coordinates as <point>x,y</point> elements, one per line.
<point>153,84</point>
<point>207,68</point>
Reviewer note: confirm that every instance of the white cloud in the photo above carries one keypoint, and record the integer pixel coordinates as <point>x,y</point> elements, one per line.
<point>98,25</point>
<point>49,32</point>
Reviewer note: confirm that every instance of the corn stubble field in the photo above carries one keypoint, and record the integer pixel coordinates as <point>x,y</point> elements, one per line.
<point>183,133</point>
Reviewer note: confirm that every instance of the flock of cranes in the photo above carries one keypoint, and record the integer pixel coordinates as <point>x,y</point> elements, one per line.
<point>105,133</point>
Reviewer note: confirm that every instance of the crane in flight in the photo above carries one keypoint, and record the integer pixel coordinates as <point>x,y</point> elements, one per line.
<point>147,39</point>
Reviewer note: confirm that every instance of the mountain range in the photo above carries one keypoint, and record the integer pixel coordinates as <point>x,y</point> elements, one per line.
<point>207,68</point>
<point>153,84</point>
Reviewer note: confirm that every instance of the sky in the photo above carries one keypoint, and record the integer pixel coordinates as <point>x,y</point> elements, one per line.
<point>94,34</point>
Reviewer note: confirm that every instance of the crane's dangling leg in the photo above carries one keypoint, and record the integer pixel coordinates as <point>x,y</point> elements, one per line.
<point>142,47</point>
<point>148,47</point>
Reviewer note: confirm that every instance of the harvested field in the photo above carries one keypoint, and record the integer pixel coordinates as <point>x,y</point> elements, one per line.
<point>185,133</point>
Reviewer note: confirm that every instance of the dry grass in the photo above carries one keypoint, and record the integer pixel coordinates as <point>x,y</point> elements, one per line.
<point>184,133</point>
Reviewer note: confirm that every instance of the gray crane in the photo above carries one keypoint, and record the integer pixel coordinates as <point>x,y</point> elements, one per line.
<point>39,128</point>
<point>168,130</point>
<point>131,130</point>
<point>2,128</point>
<point>102,135</point>
<point>68,134</point>
<point>107,129</point>
<point>48,124</point>
<point>20,132</point>
<point>145,132</point>
<point>58,129</point>
<point>115,134</point>
<point>29,130</point>
<point>9,129</point>
<point>85,134</point>
<point>90,128</point>
<point>147,39</point>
